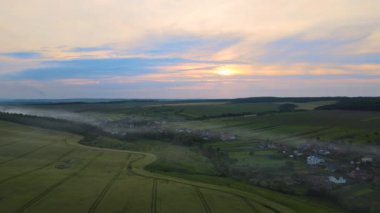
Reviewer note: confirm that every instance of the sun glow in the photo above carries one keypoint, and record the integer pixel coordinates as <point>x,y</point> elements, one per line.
<point>225,72</point>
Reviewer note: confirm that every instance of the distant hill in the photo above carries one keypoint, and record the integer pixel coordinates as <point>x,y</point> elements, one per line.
<point>286,99</point>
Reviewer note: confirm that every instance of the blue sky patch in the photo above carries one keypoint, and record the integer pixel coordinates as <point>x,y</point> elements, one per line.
<point>92,68</point>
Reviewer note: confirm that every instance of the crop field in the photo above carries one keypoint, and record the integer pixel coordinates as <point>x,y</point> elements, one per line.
<point>43,170</point>
<point>189,156</point>
<point>352,127</point>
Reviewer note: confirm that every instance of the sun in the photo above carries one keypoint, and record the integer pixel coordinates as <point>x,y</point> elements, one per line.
<point>224,72</point>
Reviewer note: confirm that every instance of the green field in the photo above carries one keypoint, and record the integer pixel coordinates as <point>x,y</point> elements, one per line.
<point>172,132</point>
<point>43,170</point>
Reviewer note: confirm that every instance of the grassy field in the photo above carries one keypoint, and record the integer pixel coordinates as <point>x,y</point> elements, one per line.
<point>44,171</point>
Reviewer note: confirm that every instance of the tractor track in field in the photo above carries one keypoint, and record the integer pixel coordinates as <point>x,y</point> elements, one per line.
<point>270,208</point>
<point>262,129</point>
<point>205,205</point>
<point>301,134</point>
<point>38,168</point>
<point>153,204</point>
<point>59,183</point>
<point>26,153</point>
<point>245,199</point>
<point>7,144</point>
<point>103,193</point>
<point>253,207</point>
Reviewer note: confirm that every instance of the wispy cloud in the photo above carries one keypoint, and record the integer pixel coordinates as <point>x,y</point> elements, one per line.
<point>22,55</point>
<point>90,49</point>
<point>78,81</point>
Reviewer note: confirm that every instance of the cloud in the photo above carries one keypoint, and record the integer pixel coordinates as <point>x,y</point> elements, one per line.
<point>298,49</point>
<point>22,55</point>
<point>84,47</point>
<point>90,49</point>
<point>187,46</point>
<point>78,81</point>
<point>90,23</point>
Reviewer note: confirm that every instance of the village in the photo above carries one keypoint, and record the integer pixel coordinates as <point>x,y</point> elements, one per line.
<point>328,166</point>
<point>132,125</point>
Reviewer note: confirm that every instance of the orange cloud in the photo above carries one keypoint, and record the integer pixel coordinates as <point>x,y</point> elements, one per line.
<point>77,81</point>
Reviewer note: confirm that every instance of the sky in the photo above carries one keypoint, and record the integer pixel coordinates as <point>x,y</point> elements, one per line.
<point>189,48</point>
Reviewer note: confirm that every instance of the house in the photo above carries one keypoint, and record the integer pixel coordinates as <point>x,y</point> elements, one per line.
<point>228,137</point>
<point>339,180</point>
<point>360,174</point>
<point>324,152</point>
<point>332,167</point>
<point>314,180</point>
<point>297,153</point>
<point>314,160</point>
<point>367,159</point>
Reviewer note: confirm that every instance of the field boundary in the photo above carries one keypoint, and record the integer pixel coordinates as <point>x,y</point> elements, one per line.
<point>301,134</point>
<point>6,144</point>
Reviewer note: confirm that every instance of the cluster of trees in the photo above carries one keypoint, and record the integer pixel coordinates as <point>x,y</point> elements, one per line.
<point>359,103</point>
<point>343,103</point>
<point>281,108</point>
<point>205,117</point>
<point>183,139</point>
<point>88,132</point>
<point>219,159</point>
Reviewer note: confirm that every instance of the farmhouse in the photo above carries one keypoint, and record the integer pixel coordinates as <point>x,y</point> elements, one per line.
<point>367,159</point>
<point>314,160</point>
<point>360,174</point>
<point>324,152</point>
<point>332,167</point>
<point>339,180</point>
<point>227,137</point>
<point>297,153</point>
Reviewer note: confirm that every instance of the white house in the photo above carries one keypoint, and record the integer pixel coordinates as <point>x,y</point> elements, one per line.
<point>314,160</point>
<point>339,180</point>
<point>367,159</point>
